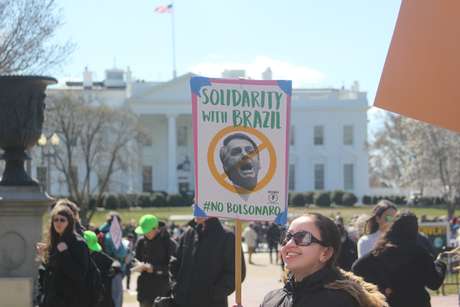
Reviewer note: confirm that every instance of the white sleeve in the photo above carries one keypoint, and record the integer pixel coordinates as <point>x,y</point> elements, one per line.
<point>362,249</point>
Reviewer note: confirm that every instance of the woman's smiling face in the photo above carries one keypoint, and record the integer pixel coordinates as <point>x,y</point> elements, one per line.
<point>304,260</point>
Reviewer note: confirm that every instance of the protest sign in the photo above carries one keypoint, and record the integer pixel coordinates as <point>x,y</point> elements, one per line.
<point>438,233</point>
<point>241,130</point>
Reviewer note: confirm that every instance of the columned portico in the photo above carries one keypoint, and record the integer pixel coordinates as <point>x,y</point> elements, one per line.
<point>172,163</point>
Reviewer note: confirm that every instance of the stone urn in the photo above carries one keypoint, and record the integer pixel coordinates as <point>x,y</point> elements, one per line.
<point>22,109</point>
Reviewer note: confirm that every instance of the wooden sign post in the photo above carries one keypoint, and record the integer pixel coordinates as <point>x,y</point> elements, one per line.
<point>238,263</point>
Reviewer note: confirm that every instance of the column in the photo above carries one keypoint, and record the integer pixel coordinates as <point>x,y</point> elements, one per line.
<point>172,163</point>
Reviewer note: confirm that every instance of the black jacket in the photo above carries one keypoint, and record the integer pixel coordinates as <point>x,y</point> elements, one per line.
<point>348,254</point>
<point>64,276</point>
<point>402,272</point>
<point>104,264</point>
<point>311,291</point>
<point>158,253</point>
<point>204,270</point>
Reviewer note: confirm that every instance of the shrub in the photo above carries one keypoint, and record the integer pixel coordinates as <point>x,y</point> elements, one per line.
<point>367,200</point>
<point>425,202</point>
<point>298,200</point>
<point>123,201</point>
<point>143,201</point>
<point>158,200</point>
<point>336,197</point>
<point>322,199</point>
<point>349,199</point>
<point>309,198</point>
<point>111,202</point>
<point>178,200</point>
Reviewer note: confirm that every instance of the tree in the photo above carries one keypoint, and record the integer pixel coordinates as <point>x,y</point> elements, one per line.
<point>97,140</point>
<point>27,32</point>
<point>410,153</point>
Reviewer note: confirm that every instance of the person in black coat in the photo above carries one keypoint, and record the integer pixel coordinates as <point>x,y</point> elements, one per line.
<point>153,254</point>
<point>348,250</point>
<point>65,264</point>
<point>273,239</point>
<point>104,263</point>
<point>401,268</point>
<point>309,250</point>
<point>204,270</point>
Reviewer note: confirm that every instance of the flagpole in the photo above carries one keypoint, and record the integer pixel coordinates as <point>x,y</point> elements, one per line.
<point>173,40</point>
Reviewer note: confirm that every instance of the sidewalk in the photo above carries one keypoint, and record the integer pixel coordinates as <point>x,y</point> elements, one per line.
<point>263,277</point>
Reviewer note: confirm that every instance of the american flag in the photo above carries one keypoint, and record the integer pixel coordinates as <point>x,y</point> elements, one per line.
<point>115,232</point>
<point>164,9</point>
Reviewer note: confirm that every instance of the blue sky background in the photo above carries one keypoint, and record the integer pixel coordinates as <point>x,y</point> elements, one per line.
<point>316,43</point>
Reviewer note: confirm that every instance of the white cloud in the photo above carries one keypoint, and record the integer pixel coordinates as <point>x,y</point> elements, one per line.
<point>301,76</point>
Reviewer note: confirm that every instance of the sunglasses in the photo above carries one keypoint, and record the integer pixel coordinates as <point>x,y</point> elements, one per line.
<point>59,220</point>
<point>301,238</point>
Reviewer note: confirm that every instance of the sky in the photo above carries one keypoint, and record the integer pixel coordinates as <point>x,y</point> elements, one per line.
<point>315,43</point>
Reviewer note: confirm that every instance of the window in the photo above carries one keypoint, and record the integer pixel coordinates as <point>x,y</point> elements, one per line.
<point>347,135</point>
<point>348,176</point>
<point>182,136</point>
<point>291,177</point>
<point>318,135</point>
<point>147,178</point>
<point>41,176</point>
<point>319,176</point>
<point>292,136</point>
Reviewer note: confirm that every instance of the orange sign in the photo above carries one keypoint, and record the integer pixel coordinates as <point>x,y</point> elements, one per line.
<point>421,74</point>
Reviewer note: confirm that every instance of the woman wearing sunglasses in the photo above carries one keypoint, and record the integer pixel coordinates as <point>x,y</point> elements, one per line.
<point>66,262</point>
<point>382,217</point>
<point>310,250</point>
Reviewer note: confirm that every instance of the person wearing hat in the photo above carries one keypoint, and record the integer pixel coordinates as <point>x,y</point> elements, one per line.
<point>153,253</point>
<point>104,263</point>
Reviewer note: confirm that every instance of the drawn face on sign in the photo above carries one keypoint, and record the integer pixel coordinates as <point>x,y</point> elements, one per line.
<point>240,159</point>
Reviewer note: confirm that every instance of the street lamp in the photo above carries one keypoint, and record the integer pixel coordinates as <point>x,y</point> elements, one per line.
<point>42,142</point>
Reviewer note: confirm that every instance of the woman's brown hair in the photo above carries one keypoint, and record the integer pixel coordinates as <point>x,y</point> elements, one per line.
<point>330,235</point>
<point>53,237</point>
<point>371,225</point>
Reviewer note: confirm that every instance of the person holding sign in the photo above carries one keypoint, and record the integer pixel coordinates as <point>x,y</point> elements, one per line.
<point>240,159</point>
<point>203,272</point>
<point>310,250</point>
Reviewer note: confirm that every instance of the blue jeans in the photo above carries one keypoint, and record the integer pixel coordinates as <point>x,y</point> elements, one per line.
<point>117,290</point>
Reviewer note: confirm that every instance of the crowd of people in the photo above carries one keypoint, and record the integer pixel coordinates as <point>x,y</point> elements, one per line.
<point>378,260</point>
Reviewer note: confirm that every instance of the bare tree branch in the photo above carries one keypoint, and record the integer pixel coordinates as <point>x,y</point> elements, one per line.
<point>27,34</point>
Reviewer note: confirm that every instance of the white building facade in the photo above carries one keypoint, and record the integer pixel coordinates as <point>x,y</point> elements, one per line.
<point>328,141</point>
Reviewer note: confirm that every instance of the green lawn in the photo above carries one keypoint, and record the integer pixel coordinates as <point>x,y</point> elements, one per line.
<point>164,213</point>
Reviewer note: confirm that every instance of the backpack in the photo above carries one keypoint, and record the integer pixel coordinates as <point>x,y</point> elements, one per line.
<point>95,285</point>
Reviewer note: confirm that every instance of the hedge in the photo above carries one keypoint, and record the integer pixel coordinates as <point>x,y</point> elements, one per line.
<point>322,199</point>
<point>349,199</point>
<point>337,196</point>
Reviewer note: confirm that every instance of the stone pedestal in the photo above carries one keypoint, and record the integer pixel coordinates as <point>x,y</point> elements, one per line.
<point>21,227</point>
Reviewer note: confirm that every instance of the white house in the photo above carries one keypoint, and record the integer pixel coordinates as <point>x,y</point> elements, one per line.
<point>328,141</point>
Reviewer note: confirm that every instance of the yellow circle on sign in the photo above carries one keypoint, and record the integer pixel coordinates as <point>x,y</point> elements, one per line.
<point>266,144</point>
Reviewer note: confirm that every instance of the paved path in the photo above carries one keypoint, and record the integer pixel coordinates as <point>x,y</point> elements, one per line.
<point>263,277</point>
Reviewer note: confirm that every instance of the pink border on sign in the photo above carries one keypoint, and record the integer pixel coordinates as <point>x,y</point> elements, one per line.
<point>288,143</point>
<point>195,140</point>
<point>244,81</point>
